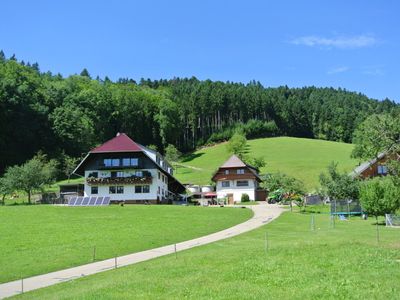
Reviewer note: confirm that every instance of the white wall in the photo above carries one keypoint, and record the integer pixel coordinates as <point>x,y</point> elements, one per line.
<point>237,191</point>
<point>129,190</point>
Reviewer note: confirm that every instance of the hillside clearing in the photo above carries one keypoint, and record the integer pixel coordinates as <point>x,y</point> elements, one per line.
<point>302,158</point>
<point>328,263</point>
<point>40,239</point>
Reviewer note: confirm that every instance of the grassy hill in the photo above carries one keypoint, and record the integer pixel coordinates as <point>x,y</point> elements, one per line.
<point>302,158</point>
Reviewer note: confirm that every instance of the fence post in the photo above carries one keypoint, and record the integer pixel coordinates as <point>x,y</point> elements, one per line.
<point>22,284</point>
<point>312,222</point>
<point>176,254</point>
<point>377,229</point>
<point>115,262</point>
<point>266,242</point>
<point>94,253</point>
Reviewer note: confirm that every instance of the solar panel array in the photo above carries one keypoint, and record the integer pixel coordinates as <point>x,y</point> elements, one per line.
<point>88,201</point>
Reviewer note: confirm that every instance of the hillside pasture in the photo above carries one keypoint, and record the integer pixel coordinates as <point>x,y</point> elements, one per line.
<point>302,158</point>
<point>39,239</point>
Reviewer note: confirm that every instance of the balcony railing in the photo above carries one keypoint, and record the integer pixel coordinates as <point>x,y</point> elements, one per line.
<point>119,180</point>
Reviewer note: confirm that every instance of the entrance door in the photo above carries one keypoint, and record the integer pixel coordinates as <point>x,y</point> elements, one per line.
<point>230,199</point>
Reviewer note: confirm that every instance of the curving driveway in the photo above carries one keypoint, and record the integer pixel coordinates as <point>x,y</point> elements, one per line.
<point>263,213</point>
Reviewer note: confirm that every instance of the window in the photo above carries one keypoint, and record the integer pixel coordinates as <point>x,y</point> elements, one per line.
<point>159,175</point>
<point>158,190</point>
<point>242,183</point>
<point>94,190</point>
<point>382,170</point>
<point>139,174</point>
<point>226,172</point>
<point>116,189</point>
<point>115,162</point>
<point>93,174</point>
<point>130,162</point>
<point>225,183</point>
<point>115,174</point>
<point>240,171</point>
<point>107,162</point>
<point>142,189</point>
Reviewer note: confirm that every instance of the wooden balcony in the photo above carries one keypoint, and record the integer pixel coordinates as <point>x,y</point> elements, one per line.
<point>119,180</point>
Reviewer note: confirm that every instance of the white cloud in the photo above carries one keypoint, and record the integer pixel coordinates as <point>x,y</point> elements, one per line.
<point>338,70</point>
<point>352,42</point>
<point>375,70</point>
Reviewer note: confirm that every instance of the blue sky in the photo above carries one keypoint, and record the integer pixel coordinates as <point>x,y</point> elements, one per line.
<point>349,44</point>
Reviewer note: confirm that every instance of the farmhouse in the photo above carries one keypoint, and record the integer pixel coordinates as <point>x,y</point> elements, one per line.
<point>374,167</point>
<point>128,172</point>
<point>235,178</point>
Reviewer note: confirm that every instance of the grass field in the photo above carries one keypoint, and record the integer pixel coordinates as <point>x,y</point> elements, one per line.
<point>302,158</point>
<point>38,239</point>
<point>344,262</point>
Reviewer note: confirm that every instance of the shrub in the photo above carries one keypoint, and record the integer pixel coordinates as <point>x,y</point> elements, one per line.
<point>245,198</point>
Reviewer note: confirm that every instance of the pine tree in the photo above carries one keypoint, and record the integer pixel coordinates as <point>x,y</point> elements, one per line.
<point>2,56</point>
<point>85,73</point>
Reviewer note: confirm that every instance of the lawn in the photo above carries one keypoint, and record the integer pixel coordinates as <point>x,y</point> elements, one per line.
<point>344,262</point>
<point>38,239</point>
<point>302,158</point>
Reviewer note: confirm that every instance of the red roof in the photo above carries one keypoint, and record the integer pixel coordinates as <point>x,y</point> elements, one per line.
<point>120,143</point>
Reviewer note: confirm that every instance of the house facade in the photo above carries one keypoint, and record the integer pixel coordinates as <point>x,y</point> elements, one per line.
<point>128,172</point>
<point>235,178</point>
<point>375,167</point>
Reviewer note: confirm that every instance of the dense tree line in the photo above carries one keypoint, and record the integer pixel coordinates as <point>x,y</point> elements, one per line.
<point>65,117</point>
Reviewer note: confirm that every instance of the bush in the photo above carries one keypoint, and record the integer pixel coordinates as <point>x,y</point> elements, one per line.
<point>245,198</point>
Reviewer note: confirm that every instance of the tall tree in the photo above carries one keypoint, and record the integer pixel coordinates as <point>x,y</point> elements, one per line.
<point>85,73</point>
<point>237,144</point>
<point>32,175</point>
<point>339,186</point>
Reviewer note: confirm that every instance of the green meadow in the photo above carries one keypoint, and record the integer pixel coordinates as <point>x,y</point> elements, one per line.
<point>38,239</point>
<point>282,260</point>
<point>302,158</point>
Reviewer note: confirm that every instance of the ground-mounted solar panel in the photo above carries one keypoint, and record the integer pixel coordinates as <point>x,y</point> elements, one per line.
<point>85,201</point>
<point>106,201</point>
<point>71,201</point>
<point>78,201</point>
<point>99,200</point>
<point>92,201</point>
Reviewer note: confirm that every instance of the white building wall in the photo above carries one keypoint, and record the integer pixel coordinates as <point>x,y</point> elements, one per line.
<point>129,190</point>
<point>237,191</point>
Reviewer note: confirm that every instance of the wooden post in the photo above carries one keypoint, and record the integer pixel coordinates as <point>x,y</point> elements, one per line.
<point>377,229</point>
<point>22,285</point>
<point>266,242</point>
<point>94,253</point>
<point>176,254</point>
<point>312,222</point>
<point>115,262</point>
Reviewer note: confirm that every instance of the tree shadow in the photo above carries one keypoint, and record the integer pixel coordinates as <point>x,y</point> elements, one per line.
<point>191,156</point>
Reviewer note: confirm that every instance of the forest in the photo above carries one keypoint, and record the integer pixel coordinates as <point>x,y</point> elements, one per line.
<point>67,116</point>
